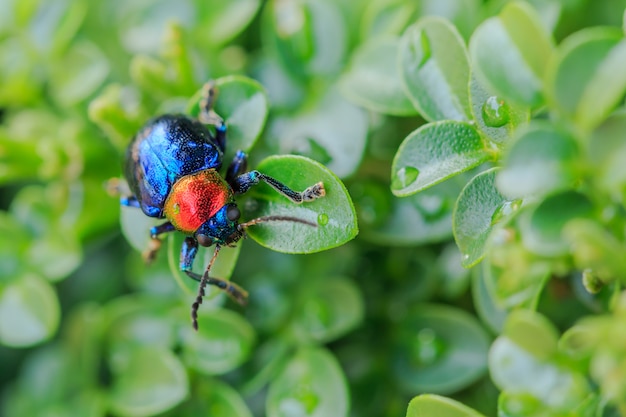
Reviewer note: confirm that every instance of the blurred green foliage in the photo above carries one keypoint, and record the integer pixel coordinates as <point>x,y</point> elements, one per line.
<point>480,141</point>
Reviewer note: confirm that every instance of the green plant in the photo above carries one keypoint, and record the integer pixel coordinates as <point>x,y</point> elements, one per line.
<point>479,141</point>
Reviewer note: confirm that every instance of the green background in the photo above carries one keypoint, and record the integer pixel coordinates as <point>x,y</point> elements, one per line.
<point>469,256</point>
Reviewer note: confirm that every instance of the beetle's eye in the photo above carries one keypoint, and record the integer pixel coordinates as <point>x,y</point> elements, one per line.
<point>233,213</point>
<point>204,240</point>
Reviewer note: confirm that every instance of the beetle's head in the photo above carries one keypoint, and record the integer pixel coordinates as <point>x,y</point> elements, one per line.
<point>221,229</point>
<point>224,227</point>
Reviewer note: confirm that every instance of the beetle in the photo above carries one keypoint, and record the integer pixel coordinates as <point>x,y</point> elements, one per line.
<point>172,167</point>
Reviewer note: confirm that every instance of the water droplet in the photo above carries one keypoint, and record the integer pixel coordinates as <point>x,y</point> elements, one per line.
<point>404,177</point>
<point>428,347</point>
<point>495,112</point>
<point>322,219</point>
<point>505,210</point>
<point>176,208</point>
<point>303,401</point>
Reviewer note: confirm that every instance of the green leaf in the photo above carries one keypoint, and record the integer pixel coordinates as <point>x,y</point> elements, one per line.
<point>334,134</point>
<point>542,159</point>
<point>510,52</point>
<point>243,104</point>
<point>373,78</point>
<point>431,405</point>
<point>595,248</point>
<point>216,399</point>
<point>29,312</point>
<point>334,213</point>
<point>312,384</point>
<point>134,320</point>
<point>439,349</point>
<point>221,21</point>
<point>517,371</point>
<point>435,69</point>
<point>532,332</point>
<point>268,360</point>
<point>495,117</point>
<point>479,208</point>
<point>332,307</point>
<point>135,226</point>
<point>463,14</point>
<point>543,227</point>
<point>148,381</point>
<point>223,341</point>
<point>425,217</point>
<point>114,113</point>
<point>56,254</point>
<point>607,153</point>
<point>82,72</point>
<point>490,312</point>
<point>577,76</point>
<point>308,37</point>
<point>386,18</point>
<point>515,280</point>
<point>433,153</point>
<point>222,268</point>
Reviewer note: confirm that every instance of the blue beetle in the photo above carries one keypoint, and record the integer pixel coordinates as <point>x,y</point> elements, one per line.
<point>172,169</point>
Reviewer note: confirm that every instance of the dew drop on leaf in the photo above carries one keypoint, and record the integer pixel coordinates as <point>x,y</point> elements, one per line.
<point>428,347</point>
<point>504,210</point>
<point>322,219</point>
<point>404,177</point>
<point>495,112</point>
<point>303,402</point>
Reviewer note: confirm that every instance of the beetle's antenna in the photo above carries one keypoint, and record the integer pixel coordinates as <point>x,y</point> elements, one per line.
<point>266,219</point>
<point>207,114</point>
<point>203,283</point>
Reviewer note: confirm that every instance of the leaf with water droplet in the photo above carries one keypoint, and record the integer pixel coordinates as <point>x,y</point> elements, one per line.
<point>434,345</point>
<point>503,211</point>
<point>434,153</point>
<point>335,209</point>
<point>495,112</point>
<point>435,69</point>
<point>312,384</point>
<point>421,218</point>
<point>473,217</point>
<point>322,219</point>
<point>495,117</point>
<point>510,52</point>
<point>332,307</point>
<point>222,343</point>
<point>404,177</point>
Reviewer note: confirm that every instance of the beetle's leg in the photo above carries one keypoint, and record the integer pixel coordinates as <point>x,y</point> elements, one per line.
<point>209,117</point>
<point>116,187</point>
<point>188,254</point>
<point>242,183</point>
<point>238,166</point>
<point>129,201</point>
<point>155,242</point>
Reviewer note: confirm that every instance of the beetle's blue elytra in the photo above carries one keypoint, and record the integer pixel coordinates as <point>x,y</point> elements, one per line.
<point>172,169</point>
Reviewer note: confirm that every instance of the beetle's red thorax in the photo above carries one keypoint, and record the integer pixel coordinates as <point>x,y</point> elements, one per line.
<point>195,198</point>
